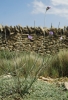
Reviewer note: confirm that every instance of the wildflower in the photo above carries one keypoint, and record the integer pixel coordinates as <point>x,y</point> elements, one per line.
<point>30,37</point>
<point>50,33</point>
<point>61,38</point>
<point>48,8</point>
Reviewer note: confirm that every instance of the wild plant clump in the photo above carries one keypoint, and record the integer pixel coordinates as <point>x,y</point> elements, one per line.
<point>58,66</point>
<point>23,67</point>
<point>19,70</point>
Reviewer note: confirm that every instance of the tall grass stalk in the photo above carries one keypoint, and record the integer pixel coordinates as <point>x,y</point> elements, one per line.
<point>59,65</point>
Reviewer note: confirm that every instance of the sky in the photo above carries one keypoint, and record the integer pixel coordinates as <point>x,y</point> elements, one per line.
<point>33,13</point>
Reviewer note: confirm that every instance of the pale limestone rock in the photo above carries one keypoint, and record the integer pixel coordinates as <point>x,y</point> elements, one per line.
<point>66,85</point>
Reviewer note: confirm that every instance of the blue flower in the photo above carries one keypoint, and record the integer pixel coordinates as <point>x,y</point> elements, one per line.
<point>48,8</point>
<point>30,37</point>
<point>50,33</point>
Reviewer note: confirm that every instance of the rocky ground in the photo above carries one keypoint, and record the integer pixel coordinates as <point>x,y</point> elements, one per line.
<point>59,81</point>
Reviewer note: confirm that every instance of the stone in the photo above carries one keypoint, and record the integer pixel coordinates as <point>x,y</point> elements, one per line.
<point>2,48</point>
<point>0,26</point>
<point>46,79</point>
<point>48,52</point>
<point>6,76</point>
<point>66,85</point>
<point>18,40</point>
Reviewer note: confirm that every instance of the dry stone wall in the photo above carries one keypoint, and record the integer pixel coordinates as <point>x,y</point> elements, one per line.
<point>16,38</point>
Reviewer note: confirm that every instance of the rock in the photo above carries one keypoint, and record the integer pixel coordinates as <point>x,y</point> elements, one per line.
<point>66,85</point>
<point>2,48</point>
<point>46,79</point>
<point>41,28</point>
<point>18,39</point>
<point>0,26</point>
<point>6,76</point>
<point>48,52</point>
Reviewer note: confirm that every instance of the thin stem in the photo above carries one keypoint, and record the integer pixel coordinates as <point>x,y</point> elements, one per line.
<point>44,18</point>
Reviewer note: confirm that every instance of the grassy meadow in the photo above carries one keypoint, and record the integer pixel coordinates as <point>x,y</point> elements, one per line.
<point>19,73</point>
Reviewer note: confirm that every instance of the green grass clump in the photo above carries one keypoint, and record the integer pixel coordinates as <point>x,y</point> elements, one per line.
<point>4,54</point>
<point>23,62</point>
<point>28,62</point>
<point>58,66</point>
